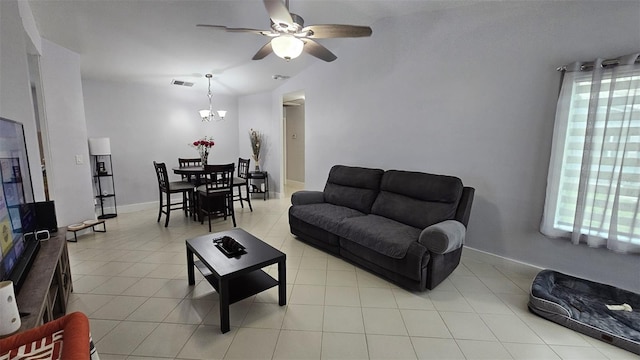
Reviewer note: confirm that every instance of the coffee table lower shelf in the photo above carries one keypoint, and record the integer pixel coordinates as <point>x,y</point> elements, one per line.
<point>242,286</point>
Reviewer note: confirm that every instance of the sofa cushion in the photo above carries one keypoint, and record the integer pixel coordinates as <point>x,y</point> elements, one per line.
<point>417,199</point>
<point>353,187</point>
<point>384,236</point>
<point>314,235</point>
<point>324,215</point>
<point>410,271</point>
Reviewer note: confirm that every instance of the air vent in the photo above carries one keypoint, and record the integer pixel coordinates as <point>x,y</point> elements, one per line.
<point>181,83</point>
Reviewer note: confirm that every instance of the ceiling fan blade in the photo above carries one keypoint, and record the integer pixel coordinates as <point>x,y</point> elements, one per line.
<point>313,48</point>
<point>335,31</point>
<point>228,29</point>
<point>264,51</point>
<point>278,12</point>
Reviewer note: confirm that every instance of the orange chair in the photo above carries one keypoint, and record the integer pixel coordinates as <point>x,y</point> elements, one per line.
<point>64,338</point>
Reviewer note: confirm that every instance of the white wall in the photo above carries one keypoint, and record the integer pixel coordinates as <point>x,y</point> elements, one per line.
<point>15,92</point>
<point>255,113</point>
<point>147,123</point>
<point>69,182</point>
<point>468,92</point>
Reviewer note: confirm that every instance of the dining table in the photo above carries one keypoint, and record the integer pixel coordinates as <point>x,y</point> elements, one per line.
<point>193,172</point>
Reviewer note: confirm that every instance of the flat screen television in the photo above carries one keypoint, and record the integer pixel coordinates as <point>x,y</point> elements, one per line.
<point>18,243</point>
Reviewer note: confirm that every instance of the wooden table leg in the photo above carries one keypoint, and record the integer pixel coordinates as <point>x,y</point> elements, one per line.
<point>190,267</point>
<point>223,285</point>
<point>282,283</point>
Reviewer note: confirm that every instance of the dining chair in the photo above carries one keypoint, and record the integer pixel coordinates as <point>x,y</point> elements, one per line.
<point>215,197</point>
<point>242,180</point>
<point>186,162</point>
<point>166,188</point>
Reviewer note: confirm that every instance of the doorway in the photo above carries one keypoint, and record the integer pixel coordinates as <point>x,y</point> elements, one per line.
<point>293,110</point>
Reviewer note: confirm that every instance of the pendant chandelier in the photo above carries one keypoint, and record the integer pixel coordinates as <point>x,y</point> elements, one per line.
<point>207,115</point>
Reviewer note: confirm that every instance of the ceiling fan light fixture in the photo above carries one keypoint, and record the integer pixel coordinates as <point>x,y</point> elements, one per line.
<point>287,46</point>
<point>289,37</point>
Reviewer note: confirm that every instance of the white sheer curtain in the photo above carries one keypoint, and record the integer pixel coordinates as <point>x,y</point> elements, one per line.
<point>593,186</point>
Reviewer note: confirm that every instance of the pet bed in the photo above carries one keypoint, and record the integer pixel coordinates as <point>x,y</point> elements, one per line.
<point>601,311</point>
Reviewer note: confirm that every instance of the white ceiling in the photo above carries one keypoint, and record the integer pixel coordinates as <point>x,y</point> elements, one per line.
<point>155,41</point>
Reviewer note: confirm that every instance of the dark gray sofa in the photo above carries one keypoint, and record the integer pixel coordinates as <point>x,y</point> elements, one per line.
<point>408,227</point>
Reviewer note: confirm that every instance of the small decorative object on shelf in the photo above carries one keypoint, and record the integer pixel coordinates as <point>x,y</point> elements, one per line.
<point>256,145</point>
<point>203,145</point>
<point>102,170</point>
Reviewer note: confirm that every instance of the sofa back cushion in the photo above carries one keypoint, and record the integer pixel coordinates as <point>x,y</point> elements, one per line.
<point>353,187</point>
<point>417,199</point>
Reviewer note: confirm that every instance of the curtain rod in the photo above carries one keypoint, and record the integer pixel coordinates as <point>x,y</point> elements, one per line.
<point>590,64</point>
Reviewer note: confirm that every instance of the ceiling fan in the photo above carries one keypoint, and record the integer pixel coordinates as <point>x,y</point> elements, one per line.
<point>289,36</point>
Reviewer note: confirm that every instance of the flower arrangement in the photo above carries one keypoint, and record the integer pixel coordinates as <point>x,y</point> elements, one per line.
<point>203,145</point>
<point>256,143</point>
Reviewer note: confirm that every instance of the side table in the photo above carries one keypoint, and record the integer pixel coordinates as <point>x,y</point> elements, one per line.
<point>259,175</point>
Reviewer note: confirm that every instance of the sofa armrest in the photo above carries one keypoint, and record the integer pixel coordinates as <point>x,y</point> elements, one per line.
<point>443,237</point>
<point>305,197</point>
<point>76,337</point>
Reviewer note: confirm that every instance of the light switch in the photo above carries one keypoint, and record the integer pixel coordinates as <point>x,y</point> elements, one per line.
<point>79,160</point>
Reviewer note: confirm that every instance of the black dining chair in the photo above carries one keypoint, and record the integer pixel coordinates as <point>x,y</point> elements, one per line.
<point>166,188</point>
<point>242,181</point>
<point>215,197</point>
<point>186,162</point>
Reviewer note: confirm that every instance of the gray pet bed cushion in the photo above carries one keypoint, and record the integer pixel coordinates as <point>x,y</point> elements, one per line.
<point>581,305</point>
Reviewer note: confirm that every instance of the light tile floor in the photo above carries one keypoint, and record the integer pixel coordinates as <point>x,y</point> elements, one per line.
<point>131,282</point>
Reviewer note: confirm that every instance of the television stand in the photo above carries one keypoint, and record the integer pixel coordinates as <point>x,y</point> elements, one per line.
<point>44,294</point>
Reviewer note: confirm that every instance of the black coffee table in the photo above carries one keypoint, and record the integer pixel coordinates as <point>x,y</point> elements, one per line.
<point>236,278</point>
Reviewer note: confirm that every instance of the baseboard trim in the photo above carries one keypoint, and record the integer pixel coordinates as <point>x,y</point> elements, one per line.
<point>494,259</point>
<point>138,207</point>
<point>295,183</point>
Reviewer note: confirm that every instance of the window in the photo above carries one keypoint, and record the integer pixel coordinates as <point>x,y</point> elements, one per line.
<point>593,189</point>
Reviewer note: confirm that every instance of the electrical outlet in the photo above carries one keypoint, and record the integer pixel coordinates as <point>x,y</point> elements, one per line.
<point>79,160</point>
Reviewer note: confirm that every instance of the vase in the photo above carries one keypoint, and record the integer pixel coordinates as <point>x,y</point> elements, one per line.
<point>203,158</point>
<point>257,163</point>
